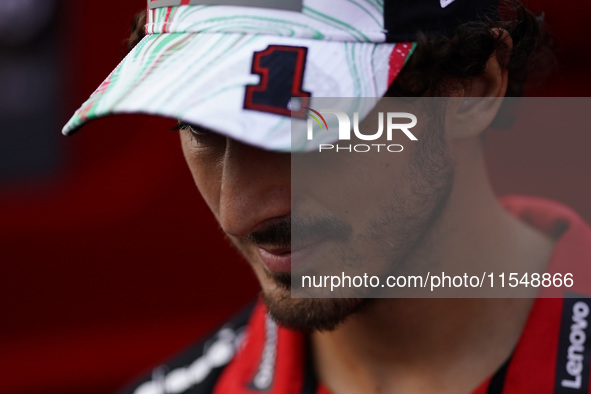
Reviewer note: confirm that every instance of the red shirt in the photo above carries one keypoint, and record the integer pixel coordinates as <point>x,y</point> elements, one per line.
<point>552,355</point>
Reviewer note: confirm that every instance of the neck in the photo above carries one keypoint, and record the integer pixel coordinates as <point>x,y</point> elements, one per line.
<point>420,345</point>
<point>440,345</point>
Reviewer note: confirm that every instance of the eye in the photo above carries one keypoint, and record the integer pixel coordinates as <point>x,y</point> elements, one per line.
<point>198,133</point>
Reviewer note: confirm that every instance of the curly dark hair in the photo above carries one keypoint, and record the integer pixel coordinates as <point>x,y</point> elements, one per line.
<point>441,62</point>
<point>138,30</point>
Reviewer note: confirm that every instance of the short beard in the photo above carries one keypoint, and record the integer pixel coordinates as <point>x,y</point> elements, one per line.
<point>307,314</point>
<point>432,172</point>
<point>310,315</point>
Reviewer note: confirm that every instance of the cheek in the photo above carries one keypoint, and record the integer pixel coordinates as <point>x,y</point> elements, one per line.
<point>206,169</point>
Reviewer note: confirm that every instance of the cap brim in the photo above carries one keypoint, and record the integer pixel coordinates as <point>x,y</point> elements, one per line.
<point>202,79</point>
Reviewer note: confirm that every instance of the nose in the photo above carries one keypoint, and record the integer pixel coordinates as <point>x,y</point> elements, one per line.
<point>255,188</point>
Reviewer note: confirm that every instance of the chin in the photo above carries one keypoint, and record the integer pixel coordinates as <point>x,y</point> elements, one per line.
<point>302,314</point>
<point>309,314</point>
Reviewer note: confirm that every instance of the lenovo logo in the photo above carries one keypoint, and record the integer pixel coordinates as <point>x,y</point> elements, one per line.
<point>576,349</point>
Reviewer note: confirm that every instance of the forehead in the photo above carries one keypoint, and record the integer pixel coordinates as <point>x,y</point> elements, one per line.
<point>292,5</point>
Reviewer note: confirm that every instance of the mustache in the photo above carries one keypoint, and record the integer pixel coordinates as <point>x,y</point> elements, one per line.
<point>291,232</point>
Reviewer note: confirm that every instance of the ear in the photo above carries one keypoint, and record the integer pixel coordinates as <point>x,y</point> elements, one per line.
<point>479,103</point>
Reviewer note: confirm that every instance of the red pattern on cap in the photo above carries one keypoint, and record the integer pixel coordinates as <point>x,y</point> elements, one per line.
<point>397,60</point>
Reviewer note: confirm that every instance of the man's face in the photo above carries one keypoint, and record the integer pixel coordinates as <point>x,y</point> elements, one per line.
<point>360,209</point>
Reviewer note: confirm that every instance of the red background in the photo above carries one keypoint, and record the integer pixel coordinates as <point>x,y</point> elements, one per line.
<point>116,263</point>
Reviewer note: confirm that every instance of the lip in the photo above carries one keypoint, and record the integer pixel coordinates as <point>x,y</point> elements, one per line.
<point>282,260</point>
<point>276,260</point>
